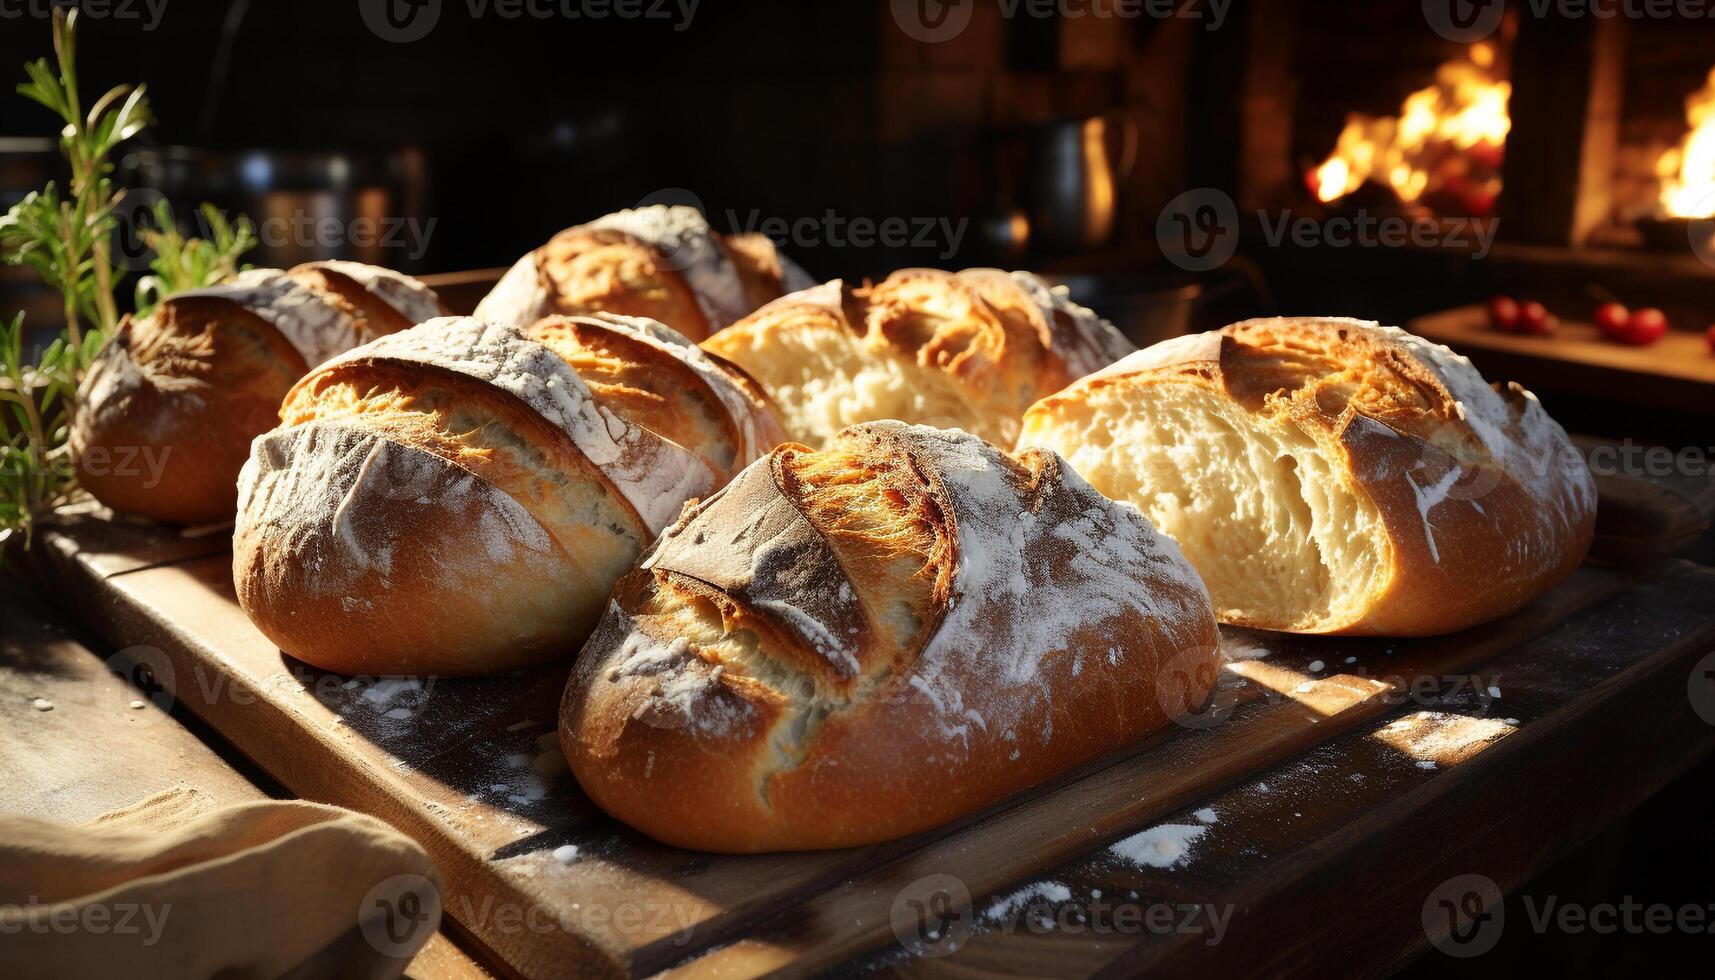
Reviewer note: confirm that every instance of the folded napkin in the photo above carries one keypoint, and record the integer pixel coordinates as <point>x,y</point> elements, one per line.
<point>174,887</point>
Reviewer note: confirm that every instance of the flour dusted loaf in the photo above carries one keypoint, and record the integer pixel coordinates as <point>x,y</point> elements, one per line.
<point>1332,475</point>
<point>166,412</point>
<point>459,498</point>
<point>969,350</point>
<point>854,644</point>
<point>662,262</point>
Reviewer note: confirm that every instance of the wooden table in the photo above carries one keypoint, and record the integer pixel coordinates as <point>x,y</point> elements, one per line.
<point>1334,774</point>
<point>93,752</point>
<point>1675,374</point>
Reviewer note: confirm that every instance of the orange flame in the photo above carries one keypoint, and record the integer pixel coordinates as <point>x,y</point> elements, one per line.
<point>1466,108</point>
<point>1687,172</point>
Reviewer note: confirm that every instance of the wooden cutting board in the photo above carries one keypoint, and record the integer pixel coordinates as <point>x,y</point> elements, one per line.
<point>1357,772</point>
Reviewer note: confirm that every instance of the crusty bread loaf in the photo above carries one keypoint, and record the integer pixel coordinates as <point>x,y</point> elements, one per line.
<point>660,262</point>
<point>969,350</point>
<point>1333,475</point>
<point>166,413</point>
<point>854,644</point>
<point>460,497</point>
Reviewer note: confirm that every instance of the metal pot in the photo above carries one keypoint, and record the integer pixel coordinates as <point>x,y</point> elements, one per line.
<point>1073,179</point>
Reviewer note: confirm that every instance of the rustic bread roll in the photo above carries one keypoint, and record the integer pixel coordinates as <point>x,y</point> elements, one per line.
<point>854,644</point>
<point>459,498</point>
<point>1332,475</point>
<point>969,350</point>
<point>660,262</point>
<point>166,412</point>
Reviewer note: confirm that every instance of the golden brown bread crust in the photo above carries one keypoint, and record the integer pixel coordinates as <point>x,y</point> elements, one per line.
<point>167,411</point>
<point>993,342</point>
<point>347,286</point>
<point>733,418</point>
<point>807,650</point>
<point>1484,501</point>
<point>456,499</point>
<point>661,263</point>
<point>400,577</point>
<point>601,270</point>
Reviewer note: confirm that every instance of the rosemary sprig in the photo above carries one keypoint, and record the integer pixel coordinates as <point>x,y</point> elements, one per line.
<point>75,232</point>
<point>182,263</point>
<point>35,462</point>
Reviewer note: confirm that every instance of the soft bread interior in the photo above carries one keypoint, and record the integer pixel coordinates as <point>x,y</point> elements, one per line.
<point>516,451</point>
<point>824,378</point>
<point>1259,507</point>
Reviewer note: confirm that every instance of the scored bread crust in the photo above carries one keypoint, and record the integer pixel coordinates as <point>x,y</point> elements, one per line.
<point>987,342</point>
<point>660,262</point>
<point>455,499</point>
<point>166,412</point>
<point>1046,626</point>
<point>1482,500</point>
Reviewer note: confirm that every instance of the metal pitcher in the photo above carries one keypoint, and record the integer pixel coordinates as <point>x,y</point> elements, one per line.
<point>1073,179</point>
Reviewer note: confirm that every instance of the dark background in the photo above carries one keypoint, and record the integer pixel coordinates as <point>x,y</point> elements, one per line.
<point>513,129</point>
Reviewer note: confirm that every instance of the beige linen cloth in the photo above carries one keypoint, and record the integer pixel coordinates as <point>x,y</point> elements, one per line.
<point>174,887</point>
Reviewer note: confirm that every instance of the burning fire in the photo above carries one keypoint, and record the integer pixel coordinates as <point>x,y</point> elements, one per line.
<point>1688,172</point>
<point>1445,142</point>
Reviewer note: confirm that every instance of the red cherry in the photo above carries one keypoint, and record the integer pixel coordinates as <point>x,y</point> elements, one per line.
<point>1643,327</point>
<point>1709,335</point>
<point>1504,313</point>
<point>1534,318</point>
<point>1611,319</point>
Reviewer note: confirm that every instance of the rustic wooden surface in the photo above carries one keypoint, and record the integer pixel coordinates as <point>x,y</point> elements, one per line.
<point>1676,373</point>
<point>470,769</point>
<point>94,752</point>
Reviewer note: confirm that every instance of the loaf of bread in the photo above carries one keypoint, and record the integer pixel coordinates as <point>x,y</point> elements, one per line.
<point>969,350</point>
<point>849,645</point>
<point>167,410</point>
<point>460,497</point>
<point>1333,475</point>
<point>660,262</point>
